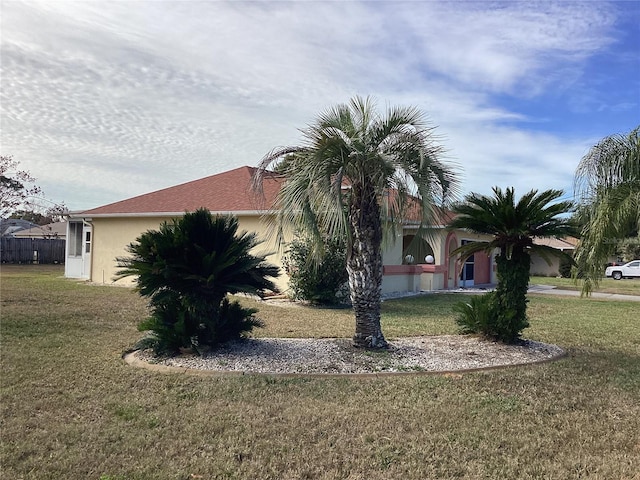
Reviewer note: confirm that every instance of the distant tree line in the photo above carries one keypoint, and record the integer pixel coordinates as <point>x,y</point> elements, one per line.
<point>21,198</point>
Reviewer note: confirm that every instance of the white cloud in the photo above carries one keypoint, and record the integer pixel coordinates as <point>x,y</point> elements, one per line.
<point>513,45</point>
<point>105,100</point>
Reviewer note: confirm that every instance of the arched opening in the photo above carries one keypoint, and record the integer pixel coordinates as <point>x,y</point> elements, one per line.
<point>416,247</point>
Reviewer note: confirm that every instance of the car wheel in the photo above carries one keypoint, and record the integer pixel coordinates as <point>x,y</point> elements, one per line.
<point>617,275</point>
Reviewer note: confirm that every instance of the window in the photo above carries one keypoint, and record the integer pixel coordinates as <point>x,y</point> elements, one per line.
<point>468,269</point>
<point>75,239</point>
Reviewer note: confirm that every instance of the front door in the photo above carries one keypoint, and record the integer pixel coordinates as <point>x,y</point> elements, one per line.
<point>86,250</point>
<point>466,275</point>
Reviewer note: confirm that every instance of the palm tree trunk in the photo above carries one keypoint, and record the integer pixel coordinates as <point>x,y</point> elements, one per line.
<point>511,293</point>
<point>364,266</point>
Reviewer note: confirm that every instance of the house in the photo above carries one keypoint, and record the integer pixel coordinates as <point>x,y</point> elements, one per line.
<point>540,267</point>
<point>96,237</point>
<point>26,242</point>
<point>51,230</point>
<point>10,226</point>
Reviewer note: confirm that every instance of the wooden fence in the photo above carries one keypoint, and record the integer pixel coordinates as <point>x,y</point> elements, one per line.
<point>32,250</point>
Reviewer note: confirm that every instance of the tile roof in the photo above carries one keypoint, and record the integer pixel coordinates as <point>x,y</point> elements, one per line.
<point>566,243</point>
<point>225,192</point>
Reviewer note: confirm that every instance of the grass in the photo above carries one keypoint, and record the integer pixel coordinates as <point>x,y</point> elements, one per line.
<point>629,286</point>
<point>71,408</point>
<point>401,318</point>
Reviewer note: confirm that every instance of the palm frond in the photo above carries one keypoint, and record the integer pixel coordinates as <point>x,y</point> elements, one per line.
<point>612,161</point>
<point>351,144</point>
<point>608,184</point>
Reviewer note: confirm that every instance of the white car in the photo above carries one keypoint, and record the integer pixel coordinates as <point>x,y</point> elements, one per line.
<point>628,270</point>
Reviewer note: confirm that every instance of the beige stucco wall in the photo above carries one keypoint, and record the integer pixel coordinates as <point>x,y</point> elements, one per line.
<point>110,239</point>
<point>437,243</point>
<point>112,235</point>
<point>392,251</point>
<point>540,267</point>
<point>432,281</point>
<point>400,283</point>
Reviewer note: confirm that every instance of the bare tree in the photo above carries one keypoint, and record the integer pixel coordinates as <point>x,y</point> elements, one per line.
<point>21,197</point>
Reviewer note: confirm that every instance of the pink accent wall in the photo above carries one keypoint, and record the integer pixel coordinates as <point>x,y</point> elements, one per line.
<point>402,270</point>
<point>433,268</point>
<point>481,268</point>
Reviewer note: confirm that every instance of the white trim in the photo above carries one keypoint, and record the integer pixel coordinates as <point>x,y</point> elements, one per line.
<point>415,226</point>
<point>79,215</point>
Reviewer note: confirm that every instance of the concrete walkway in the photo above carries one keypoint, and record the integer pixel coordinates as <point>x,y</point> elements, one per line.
<point>551,290</point>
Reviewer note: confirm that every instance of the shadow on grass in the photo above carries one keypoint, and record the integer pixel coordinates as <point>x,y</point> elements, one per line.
<point>620,369</point>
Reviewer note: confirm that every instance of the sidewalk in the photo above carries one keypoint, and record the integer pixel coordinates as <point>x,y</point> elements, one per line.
<point>551,290</point>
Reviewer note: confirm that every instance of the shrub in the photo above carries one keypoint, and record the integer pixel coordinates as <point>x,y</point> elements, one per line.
<point>484,315</point>
<point>565,267</point>
<point>629,248</point>
<point>476,316</point>
<point>232,322</point>
<point>321,282</point>
<point>186,269</point>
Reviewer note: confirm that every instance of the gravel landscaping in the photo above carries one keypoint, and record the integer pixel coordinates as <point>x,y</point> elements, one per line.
<point>446,353</point>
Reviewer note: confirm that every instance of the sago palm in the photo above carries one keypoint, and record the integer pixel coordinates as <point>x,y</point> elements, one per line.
<point>608,185</point>
<point>186,268</point>
<point>355,175</point>
<point>198,254</point>
<point>513,226</point>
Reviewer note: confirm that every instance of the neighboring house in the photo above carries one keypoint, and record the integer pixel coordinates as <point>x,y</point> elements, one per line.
<point>540,267</point>
<point>26,242</point>
<point>10,226</point>
<point>51,230</point>
<point>96,237</point>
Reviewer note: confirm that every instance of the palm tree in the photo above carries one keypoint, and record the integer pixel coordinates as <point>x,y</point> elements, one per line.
<point>354,175</point>
<point>608,184</point>
<point>513,225</point>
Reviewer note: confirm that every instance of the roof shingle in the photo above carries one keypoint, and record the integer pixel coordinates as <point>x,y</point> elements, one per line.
<point>225,192</point>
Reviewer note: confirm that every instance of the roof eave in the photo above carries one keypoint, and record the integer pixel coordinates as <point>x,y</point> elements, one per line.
<point>88,214</point>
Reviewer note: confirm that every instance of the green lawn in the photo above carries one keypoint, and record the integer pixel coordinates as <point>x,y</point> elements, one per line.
<point>628,286</point>
<point>72,409</point>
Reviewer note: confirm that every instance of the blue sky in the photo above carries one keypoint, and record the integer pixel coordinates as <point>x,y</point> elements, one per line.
<point>105,100</point>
